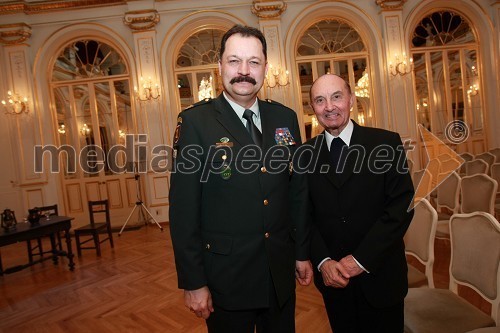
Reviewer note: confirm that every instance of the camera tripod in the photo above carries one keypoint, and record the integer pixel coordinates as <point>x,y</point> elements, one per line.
<point>142,208</point>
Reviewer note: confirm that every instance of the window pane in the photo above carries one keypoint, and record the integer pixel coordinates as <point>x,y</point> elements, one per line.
<point>439,95</point>
<point>422,91</point>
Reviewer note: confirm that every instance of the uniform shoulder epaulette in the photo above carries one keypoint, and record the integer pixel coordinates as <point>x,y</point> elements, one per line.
<point>270,101</point>
<point>204,101</point>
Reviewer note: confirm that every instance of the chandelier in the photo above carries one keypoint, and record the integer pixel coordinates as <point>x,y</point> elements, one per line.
<point>205,89</point>
<point>362,88</point>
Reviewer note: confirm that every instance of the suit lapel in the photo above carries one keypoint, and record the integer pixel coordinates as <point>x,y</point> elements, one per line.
<point>230,121</point>
<point>268,126</point>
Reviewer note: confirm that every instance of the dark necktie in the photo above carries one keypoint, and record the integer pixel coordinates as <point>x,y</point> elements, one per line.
<point>335,150</point>
<point>252,129</point>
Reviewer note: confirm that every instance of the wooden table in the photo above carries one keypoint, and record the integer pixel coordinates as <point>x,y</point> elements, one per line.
<point>26,231</point>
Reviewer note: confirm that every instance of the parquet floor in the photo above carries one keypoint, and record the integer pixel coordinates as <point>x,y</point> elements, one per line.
<point>131,288</point>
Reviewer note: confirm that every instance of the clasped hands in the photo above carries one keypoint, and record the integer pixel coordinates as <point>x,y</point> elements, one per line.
<point>337,273</point>
<point>199,301</point>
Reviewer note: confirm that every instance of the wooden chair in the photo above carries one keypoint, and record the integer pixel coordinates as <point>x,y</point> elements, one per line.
<point>448,203</point>
<point>495,174</point>
<point>476,166</point>
<point>467,157</point>
<point>419,242</point>
<point>37,249</point>
<point>422,182</point>
<point>96,210</point>
<point>475,263</point>
<point>478,194</point>
<point>489,158</point>
<point>496,152</point>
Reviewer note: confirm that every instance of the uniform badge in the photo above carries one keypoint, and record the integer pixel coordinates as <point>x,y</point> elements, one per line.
<point>224,142</point>
<point>283,137</point>
<point>226,173</point>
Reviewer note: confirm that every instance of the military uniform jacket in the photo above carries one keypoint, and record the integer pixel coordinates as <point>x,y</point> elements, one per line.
<point>236,218</point>
<point>363,211</point>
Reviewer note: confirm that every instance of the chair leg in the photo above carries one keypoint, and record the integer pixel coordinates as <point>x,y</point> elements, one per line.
<point>97,243</point>
<point>110,235</point>
<point>78,247</point>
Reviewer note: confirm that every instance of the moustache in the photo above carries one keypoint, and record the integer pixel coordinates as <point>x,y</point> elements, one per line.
<point>243,79</point>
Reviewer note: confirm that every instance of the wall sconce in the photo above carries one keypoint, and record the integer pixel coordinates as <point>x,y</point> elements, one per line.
<point>276,76</point>
<point>205,90</point>
<point>15,104</point>
<point>148,91</point>
<point>85,130</point>
<point>121,134</point>
<point>61,129</point>
<point>473,90</point>
<point>401,66</point>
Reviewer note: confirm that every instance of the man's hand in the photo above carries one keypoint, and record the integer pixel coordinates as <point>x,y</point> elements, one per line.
<point>199,301</point>
<point>303,272</point>
<point>351,266</point>
<point>334,274</point>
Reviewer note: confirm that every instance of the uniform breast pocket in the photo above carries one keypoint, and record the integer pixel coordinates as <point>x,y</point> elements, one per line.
<point>218,262</point>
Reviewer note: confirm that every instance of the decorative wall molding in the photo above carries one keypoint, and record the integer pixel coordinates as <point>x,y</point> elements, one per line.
<point>141,20</point>
<point>268,9</point>
<point>391,4</point>
<point>12,34</point>
<point>39,7</point>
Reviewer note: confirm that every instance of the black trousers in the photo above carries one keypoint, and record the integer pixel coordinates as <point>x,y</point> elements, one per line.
<point>349,312</point>
<point>274,319</point>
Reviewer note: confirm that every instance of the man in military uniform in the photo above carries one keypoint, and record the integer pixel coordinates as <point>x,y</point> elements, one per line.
<point>237,219</point>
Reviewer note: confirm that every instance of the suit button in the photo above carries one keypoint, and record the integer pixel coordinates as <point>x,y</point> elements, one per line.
<point>266,235</point>
<point>263,169</point>
<point>343,220</point>
<point>207,246</point>
<point>266,202</point>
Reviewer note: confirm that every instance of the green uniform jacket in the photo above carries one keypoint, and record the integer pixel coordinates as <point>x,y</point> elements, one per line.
<point>237,220</point>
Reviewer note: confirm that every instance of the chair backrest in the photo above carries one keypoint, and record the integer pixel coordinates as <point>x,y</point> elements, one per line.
<point>448,193</point>
<point>52,209</point>
<point>478,194</point>
<point>419,238</point>
<point>475,166</point>
<point>422,182</point>
<point>496,152</point>
<point>495,173</point>
<point>475,256</point>
<point>97,209</point>
<point>488,158</point>
<point>467,157</point>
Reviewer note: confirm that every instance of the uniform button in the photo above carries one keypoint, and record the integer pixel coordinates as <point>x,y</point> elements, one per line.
<point>263,169</point>
<point>266,202</point>
<point>207,246</point>
<point>266,235</point>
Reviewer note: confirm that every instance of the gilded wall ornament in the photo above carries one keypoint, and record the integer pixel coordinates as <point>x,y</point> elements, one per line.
<point>268,9</point>
<point>141,20</point>
<point>11,34</point>
<point>390,4</point>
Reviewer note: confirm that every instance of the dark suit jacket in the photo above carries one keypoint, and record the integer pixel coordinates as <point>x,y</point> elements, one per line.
<point>363,212</point>
<point>235,234</point>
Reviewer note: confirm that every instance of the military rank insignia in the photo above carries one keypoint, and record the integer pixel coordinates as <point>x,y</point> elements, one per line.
<point>283,137</point>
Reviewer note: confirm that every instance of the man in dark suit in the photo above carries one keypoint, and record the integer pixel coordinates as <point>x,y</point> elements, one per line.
<point>235,202</point>
<point>360,192</point>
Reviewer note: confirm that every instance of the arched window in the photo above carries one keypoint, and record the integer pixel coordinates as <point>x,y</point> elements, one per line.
<point>91,93</point>
<point>334,46</point>
<point>445,54</point>
<point>196,67</point>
